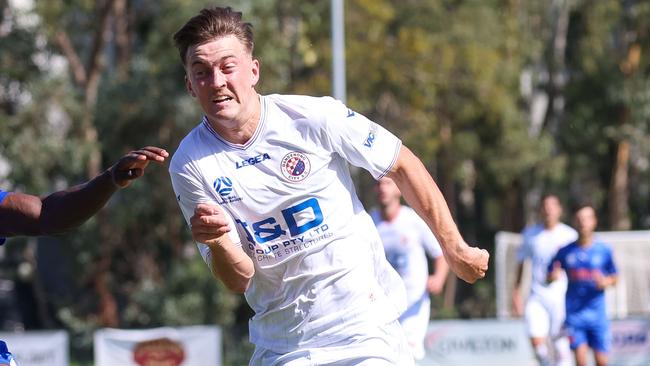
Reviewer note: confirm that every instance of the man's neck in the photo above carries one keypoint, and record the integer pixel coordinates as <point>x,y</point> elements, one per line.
<point>390,211</point>
<point>240,132</point>
<point>585,240</point>
<point>551,225</point>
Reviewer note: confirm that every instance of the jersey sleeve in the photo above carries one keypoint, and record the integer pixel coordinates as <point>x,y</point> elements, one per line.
<point>609,267</point>
<point>360,141</point>
<point>190,192</point>
<point>557,258</point>
<point>525,249</point>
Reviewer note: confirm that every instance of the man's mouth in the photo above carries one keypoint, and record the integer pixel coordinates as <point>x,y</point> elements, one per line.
<point>221,99</point>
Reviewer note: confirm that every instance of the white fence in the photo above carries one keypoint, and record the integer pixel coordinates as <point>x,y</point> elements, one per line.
<point>36,348</point>
<point>631,296</point>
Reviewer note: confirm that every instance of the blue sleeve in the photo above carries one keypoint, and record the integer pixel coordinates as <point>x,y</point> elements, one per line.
<point>556,258</point>
<point>609,268</point>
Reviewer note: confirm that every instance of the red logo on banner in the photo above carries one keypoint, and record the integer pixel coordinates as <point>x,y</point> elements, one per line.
<point>158,352</point>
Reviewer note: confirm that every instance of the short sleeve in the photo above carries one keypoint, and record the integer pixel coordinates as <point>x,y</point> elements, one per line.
<point>609,267</point>
<point>189,193</point>
<point>525,249</point>
<point>360,141</point>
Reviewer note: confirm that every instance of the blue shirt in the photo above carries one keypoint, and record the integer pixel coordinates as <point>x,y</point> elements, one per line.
<point>3,194</point>
<point>585,302</point>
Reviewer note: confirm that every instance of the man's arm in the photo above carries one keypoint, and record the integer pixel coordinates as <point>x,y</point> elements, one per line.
<point>517,300</point>
<point>24,214</point>
<point>436,281</point>
<point>422,193</point>
<point>228,262</point>
<point>554,270</point>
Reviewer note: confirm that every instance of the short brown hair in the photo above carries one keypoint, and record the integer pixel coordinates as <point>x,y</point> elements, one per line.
<point>210,24</point>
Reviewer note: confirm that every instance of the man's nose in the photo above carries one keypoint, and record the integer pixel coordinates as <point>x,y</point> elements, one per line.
<point>218,78</point>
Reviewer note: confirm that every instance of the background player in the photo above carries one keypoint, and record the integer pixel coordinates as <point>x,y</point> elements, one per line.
<point>544,311</point>
<point>590,269</point>
<point>311,265</point>
<point>408,242</point>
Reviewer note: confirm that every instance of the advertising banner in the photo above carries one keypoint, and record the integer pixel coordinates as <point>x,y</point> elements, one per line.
<point>36,348</point>
<point>504,342</point>
<point>186,346</point>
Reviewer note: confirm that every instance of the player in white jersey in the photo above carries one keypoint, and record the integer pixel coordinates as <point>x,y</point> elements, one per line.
<point>544,310</point>
<point>274,167</point>
<point>409,243</point>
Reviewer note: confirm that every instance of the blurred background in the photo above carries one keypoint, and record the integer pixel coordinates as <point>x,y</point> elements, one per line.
<point>503,100</point>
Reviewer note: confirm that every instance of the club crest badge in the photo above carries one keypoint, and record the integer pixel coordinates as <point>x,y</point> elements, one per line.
<point>295,166</point>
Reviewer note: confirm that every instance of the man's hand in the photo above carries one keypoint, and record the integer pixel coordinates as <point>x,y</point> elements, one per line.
<point>435,284</point>
<point>602,281</point>
<point>132,165</point>
<point>470,264</point>
<point>208,224</point>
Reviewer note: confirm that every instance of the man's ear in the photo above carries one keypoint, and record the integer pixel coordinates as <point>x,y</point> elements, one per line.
<point>255,75</point>
<point>188,86</point>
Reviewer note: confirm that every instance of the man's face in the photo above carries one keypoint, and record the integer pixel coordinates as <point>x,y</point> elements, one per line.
<point>551,210</point>
<point>387,191</point>
<point>586,221</point>
<point>222,75</point>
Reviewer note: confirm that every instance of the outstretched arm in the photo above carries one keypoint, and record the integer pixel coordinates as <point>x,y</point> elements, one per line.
<point>24,214</point>
<point>422,193</point>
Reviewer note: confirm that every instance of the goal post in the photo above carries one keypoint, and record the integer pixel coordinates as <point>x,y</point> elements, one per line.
<point>631,296</point>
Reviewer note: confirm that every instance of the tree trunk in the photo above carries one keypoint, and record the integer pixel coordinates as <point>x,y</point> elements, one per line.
<point>619,211</point>
<point>88,78</point>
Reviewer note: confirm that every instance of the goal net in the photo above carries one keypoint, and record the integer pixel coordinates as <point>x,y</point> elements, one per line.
<point>631,296</point>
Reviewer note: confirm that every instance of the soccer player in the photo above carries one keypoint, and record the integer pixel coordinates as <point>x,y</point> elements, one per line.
<point>25,214</point>
<point>408,242</point>
<point>590,269</point>
<point>274,169</point>
<point>544,311</point>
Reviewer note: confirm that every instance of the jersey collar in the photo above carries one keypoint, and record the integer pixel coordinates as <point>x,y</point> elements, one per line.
<point>252,140</point>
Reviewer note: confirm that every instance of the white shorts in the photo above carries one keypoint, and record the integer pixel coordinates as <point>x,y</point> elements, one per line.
<point>415,321</point>
<point>379,346</point>
<point>544,317</point>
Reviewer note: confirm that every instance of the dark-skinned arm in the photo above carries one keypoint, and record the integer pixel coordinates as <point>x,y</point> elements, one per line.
<point>25,214</point>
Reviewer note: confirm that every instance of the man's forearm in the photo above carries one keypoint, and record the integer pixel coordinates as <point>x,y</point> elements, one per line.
<point>231,265</point>
<point>69,208</point>
<point>422,193</point>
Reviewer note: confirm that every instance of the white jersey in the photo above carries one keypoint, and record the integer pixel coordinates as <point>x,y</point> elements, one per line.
<point>407,241</point>
<point>320,268</point>
<point>540,245</point>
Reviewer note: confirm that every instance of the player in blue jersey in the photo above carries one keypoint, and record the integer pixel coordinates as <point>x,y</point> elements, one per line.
<point>26,214</point>
<point>274,169</point>
<point>590,269</point>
